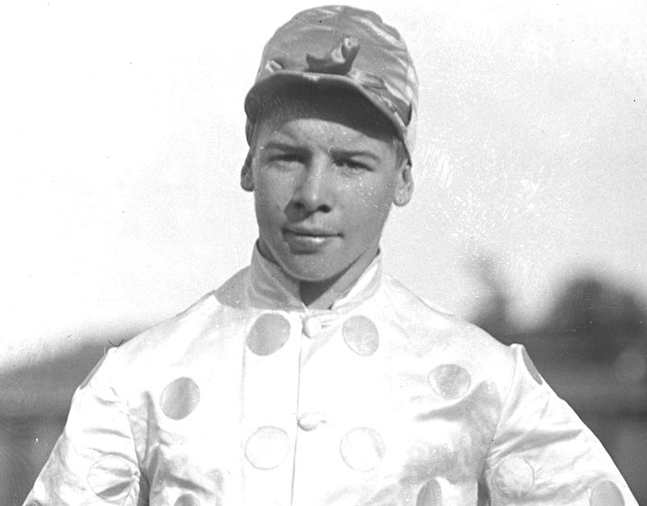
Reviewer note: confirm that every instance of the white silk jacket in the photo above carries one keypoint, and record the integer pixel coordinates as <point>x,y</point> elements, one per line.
<point>249,398</point>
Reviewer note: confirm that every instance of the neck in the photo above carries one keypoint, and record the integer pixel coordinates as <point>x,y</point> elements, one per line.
<point>323,294</point>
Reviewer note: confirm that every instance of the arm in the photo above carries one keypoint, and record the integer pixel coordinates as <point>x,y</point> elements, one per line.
<point>94,460</point>
<point>542,453</point>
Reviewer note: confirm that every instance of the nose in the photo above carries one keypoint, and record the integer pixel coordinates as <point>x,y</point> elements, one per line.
<point>314,191</point>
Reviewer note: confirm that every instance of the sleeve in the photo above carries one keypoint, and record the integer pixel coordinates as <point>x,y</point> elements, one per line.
<point>543,455</point>
<point>94,461</point>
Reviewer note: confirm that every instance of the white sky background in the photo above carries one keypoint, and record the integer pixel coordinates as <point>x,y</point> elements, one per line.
<point>123,135</point>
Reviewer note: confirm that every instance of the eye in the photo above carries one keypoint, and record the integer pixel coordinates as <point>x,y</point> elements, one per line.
<point>353,165</point>
<point>289,157</point>
<point>285,159</point>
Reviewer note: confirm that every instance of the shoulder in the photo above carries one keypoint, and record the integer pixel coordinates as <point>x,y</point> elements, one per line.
<point>181,338</point>
<point>445,338</point>
<point>172,332</point>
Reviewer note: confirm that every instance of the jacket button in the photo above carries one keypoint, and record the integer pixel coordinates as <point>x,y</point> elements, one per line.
<point>310,421</point>
<point>312,327</point>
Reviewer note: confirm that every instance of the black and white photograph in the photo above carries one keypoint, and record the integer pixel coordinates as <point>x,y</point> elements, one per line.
<point>301,254</point>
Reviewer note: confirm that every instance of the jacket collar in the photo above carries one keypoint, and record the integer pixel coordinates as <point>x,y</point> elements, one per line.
<point>270,288</point>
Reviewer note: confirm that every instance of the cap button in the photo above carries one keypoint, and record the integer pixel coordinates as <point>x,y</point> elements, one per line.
<point>312,327</point>
<point>310,421</point>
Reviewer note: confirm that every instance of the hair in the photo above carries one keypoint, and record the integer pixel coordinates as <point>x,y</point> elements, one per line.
<point>401,153</point>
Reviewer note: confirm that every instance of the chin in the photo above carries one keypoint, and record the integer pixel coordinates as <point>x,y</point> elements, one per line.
<point>311,270</point>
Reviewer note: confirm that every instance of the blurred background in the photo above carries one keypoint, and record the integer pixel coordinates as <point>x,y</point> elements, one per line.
<point>122,128</point>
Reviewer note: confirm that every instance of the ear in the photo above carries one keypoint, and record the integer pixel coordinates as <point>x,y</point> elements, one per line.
<point>404,185</point>
<point>246,176</point>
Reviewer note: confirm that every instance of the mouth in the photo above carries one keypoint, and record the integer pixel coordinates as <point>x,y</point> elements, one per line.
<point>307,240</point>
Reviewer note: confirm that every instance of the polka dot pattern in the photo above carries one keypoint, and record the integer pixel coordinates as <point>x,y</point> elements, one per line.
<point>267,448</point>
<point>361,335</point>
<point>531,367</point>
<point>268,335</point>
<point>180,398</point>
<point>430,495</point>
<point>607,493</point>
<point>187,500</point>
<point>450,381</point>
<point>110,478</point>
<point>514,477</point>
<point>362,449</point>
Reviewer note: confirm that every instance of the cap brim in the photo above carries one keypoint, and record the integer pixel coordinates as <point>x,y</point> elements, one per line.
<point>273,83</point>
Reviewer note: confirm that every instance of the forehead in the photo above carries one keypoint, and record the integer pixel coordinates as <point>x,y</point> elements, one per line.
<point>332,106</point>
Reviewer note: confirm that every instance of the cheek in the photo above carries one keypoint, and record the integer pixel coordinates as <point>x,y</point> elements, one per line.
<point>377,198</point>
<point>270,195</point>
<point>269,212</point>
<point>369,212</point>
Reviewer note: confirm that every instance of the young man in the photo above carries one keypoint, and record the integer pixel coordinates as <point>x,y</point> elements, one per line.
<point>312,377</point>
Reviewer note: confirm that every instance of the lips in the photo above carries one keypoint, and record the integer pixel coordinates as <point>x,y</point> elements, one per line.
<point>308,239</point>
<point>310,231</point>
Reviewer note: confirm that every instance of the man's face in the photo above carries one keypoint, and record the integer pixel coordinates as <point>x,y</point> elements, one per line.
<point>324,175</point>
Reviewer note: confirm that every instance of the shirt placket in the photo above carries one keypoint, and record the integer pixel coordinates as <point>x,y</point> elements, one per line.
<point>270,393</point>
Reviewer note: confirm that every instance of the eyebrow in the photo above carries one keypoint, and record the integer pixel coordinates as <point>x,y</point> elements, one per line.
<point>350,153</point>
<point>283,146</point>
<point>336,153</point>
